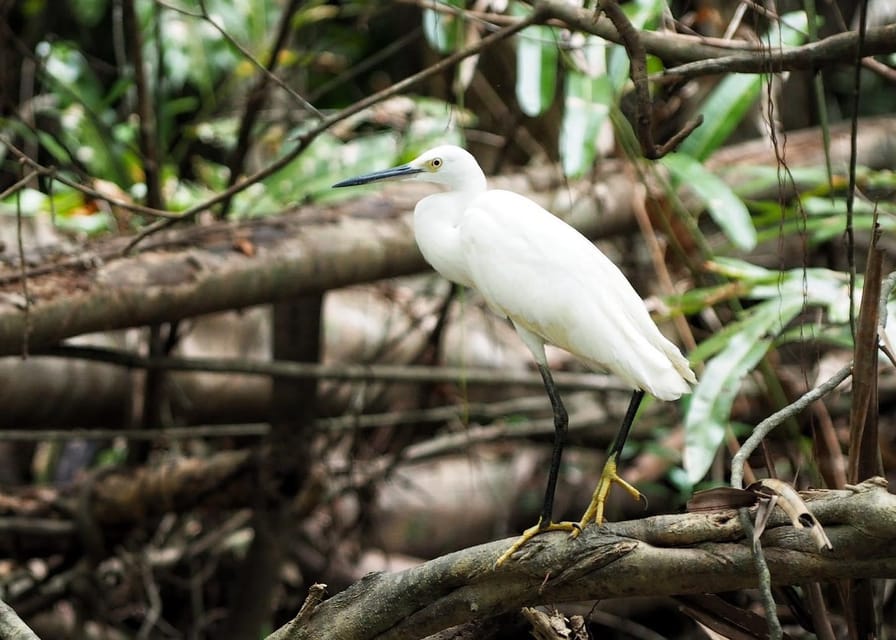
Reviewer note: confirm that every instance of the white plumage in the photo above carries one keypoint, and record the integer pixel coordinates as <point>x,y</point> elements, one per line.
<point>551,282</point>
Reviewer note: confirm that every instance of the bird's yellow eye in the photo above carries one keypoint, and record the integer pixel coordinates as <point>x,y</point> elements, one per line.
<point>435,164</point>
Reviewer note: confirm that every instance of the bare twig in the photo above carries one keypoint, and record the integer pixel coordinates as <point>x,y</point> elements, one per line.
<point>148,132</point>
<point>203,14</point>
<point>19,184</point>
<point>864,445</point>
<point>770,423</point>
<point>345,371</point>
<point>763,577</point>
<point>171,433</point>
<point>22,270</point>
<point>258,96</point>
<point>54,173</point>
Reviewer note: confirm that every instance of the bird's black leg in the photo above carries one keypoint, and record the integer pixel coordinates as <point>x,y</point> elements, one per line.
<point>610,475</point>
<point>626,426</point>
<point>561,426</point>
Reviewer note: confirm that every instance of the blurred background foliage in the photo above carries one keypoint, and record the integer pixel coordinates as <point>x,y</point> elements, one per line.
<point>762,279</point>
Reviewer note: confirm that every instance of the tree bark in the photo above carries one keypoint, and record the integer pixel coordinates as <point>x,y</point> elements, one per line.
<point>201,270</point>
<point>663,555</point>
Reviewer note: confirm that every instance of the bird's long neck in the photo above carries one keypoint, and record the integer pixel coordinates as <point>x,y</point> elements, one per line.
<point>437,221</point>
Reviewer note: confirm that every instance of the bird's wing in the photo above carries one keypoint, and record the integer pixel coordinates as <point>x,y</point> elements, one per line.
<point>547,277</point>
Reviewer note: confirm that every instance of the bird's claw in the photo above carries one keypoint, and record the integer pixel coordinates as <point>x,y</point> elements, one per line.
<point>533,531</point>
<point>608,477</point>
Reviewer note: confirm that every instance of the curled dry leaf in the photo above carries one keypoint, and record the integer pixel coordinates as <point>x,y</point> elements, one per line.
<point>775,492</point>
<point>767,493</point>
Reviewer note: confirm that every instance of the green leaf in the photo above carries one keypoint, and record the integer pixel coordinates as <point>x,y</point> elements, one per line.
<point>754,179</point>
<point>726,209</point>
<point>587,108</point>
<point>729,102</point>
<point>588,99</point>
<point>90,225</point>
<point>536,69</point>
<point>741,269</point>
<point>710,406</point>
<point>442,30</point>
<point>722,111</point>
<point>88,13</point>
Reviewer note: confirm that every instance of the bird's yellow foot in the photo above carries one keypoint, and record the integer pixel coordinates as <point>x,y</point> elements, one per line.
<point>608,477</point>
<point>530,533</point>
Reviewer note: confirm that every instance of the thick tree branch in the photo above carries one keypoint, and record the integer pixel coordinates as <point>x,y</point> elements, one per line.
<point>308,253</point>
<point>706,56</point>
<point>834,50</point>
<point>12,627</point>
<point>194,271</point>
<point>664,555</point>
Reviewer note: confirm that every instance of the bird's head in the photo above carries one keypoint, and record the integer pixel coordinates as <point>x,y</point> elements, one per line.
<point>448,165</point>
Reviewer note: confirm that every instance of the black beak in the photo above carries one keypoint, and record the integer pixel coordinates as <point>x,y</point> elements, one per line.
<point>395,173</point>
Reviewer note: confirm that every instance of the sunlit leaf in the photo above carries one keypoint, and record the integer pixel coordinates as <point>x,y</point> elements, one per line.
<point>91,225</point>
<point>28,201</point>
<point>710,406</point>
<point>730,100</point>
<point>588,99</point>
<point>740,269</point>
<point>442,29</point>
<point>536,69</point>
<point>726,209</point>
<point>752,179</point>
<point>722,111</point>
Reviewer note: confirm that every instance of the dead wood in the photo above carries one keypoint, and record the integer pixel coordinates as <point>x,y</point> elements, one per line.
<point>663,555</point>
<point>204,269</point>
<point>100,508</point>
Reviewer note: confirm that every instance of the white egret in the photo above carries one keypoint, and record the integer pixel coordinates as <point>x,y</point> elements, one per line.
<point>556,288</point>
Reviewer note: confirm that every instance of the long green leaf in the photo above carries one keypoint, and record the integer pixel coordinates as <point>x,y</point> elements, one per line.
<point>730,100</point>
<point>536,69</point>
<point>710,407</point>
<point>726,209</point>
<point>588,99</point>
<point>587,107</point>
<point>722,111</point>
<point>442,29</point>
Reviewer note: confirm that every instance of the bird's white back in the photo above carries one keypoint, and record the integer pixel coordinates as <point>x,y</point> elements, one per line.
<point>548,278</point>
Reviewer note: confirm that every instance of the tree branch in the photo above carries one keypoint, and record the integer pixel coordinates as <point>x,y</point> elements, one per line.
<point>664,555</point>
<point>304,254</point>
<point>637,57</point>
<point>706,56</point>
<point>11,625</point>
